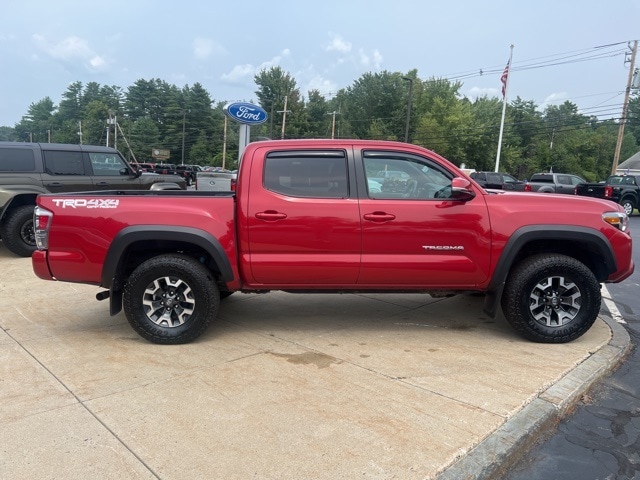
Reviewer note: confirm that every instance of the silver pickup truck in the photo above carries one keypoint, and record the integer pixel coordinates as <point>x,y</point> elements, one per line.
<point>551,183</point>
<point>216,181</point>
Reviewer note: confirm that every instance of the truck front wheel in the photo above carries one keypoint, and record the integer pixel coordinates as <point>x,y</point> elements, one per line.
<point>170,299</point>
<point>17,231</point>
<point>551,298</point>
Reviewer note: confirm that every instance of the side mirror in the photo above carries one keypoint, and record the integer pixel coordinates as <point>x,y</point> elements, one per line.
<point>136,172</point>
<point>462,190</point>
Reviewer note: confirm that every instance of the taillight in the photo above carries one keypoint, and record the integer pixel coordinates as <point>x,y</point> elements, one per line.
<point>41,224</point>
<point>527,187</point>
<point>233,184</point>
<point>608,191</point>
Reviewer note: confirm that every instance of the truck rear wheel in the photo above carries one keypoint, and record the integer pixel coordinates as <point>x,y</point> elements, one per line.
<point>551,298</point>
<point>170,299</point>
<point>628,206</point>
<point>17,231</point>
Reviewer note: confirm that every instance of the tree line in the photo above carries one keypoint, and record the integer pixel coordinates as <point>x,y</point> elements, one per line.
<point>153,114</point>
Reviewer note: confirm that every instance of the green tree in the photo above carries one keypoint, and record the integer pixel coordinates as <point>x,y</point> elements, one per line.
<point>275,88</point>
<point>38,123</point>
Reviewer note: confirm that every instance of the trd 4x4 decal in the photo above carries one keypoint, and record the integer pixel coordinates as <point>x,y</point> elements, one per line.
<point>84,203</point>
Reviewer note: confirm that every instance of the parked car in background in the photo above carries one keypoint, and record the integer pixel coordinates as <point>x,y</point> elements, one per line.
<point>144,167</point>
<point>216,181</point>
<point>499,180</point>
<point>622,189</point>
<point>188,172</point>
<point>30,169</point>
<point>166,169</point>
<point>551,183</point>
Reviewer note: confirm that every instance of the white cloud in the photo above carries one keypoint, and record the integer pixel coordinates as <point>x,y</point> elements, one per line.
<point>338,44</point>
<point>555,98</point>
<point>203,48</point>
<point>377,59</point>
<point>239,72</point>
<point>476,92</point>
<point>71,49</point>
<point>247,71</point>
<point>325,86</point>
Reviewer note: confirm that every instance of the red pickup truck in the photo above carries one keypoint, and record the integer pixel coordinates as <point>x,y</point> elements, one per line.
<point>336,216</point>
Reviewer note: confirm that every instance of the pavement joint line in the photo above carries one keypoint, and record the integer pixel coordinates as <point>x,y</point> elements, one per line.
<point>500,450</point>
<point>84,405</point>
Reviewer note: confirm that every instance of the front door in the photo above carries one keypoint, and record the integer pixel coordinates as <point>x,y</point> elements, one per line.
<point>413,234</point>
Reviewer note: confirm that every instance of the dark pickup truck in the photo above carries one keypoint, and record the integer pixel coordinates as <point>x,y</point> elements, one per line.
<point>622,189</point>
<point>499,180</point>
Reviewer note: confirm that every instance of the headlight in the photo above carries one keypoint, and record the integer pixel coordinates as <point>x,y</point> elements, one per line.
<point>617,219</point>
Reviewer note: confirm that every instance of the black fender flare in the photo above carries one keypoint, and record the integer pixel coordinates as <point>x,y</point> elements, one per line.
<point>130,235</point>
<point>594,239</point>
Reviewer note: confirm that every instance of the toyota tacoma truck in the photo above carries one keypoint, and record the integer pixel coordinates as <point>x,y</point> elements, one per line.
<point>336,216</point>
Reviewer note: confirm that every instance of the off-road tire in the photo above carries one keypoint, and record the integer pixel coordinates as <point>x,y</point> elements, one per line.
<point>551,298</point>
<point>17,231</point>
<point>170,299</point>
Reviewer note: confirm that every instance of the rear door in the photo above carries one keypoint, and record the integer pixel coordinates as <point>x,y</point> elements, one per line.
<point>65,171</point>
<point>413,234</point>
<point>303,222</point>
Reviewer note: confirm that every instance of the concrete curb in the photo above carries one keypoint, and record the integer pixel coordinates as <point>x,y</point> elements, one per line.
<point>494,456</point>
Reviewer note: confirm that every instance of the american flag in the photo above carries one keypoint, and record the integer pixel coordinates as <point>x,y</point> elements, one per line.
<point>503,79</point>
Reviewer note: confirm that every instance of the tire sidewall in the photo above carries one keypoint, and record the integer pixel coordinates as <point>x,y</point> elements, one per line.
<point>584,319</point>
<point>12,226</point>
<point>206,297</point>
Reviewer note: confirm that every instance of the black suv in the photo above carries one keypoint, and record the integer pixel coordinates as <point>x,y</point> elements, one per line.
<point>29,169</point>
<point>499,180</point>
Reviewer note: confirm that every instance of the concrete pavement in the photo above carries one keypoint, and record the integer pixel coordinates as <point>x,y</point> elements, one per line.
<point>282,386</point>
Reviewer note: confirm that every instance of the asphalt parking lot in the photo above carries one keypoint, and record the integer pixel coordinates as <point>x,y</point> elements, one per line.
<point>281,386</point>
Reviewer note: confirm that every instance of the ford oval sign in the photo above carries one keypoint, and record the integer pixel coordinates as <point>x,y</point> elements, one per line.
<point>245,113</point>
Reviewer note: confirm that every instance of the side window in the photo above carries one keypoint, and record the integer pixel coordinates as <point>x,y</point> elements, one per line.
<point>576,180</point>
<point>63,163</point>
<point>307,174</point>
<point>17,160</point>
<point>396,176</point>
<point>564,180</point>
<point>106,163</point>
<point>494,178</point>
<point>508,179</point>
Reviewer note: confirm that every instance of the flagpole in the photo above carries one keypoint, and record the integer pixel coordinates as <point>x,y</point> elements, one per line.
<point>504,107</point>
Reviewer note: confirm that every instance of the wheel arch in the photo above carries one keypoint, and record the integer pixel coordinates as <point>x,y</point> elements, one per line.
<point>585,244</point>
<point>133,245</point>
<point>18,200</point>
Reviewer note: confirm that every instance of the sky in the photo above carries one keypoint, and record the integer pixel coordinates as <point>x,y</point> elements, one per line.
<point>562,49</point>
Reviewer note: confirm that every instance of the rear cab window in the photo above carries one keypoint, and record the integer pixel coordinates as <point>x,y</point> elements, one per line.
<point>310,174</point>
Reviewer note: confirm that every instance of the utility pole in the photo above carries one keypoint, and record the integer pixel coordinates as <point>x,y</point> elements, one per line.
<point>184,116</point>
<point>625,106</point>
<point>284,116</point>
<point>333,122</point>
<point>406,132</point>
<point>224,143</point>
